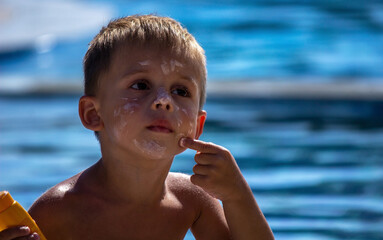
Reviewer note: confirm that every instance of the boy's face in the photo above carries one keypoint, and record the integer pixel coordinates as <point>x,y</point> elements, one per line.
<point>148,100</point>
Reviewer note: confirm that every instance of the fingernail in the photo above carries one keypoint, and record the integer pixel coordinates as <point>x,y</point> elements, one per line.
<point>25,229</point>
<point>34,236</point>
<point>182,142</point>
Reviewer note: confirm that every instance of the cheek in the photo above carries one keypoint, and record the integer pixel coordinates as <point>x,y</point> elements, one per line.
<point>122,114</point>
<point>125,109</point>
<point>187,123</point>
<point>130,108</point>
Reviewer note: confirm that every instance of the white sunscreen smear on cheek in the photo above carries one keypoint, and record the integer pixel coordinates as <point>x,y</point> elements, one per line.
<point>117,112</point>
<point>190,128</point>
<point>187,134</point>
<point>131,105</point>
<point>130,108</point>
<point>122,113</point>
<point>151,148</point>
<point>145,63</point>
<point>120,123</point>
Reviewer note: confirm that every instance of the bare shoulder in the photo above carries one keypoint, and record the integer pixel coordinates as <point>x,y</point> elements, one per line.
<point>190,194</point>
<point>180,185</point>
<point>50,210</point>
<point>53,196</point>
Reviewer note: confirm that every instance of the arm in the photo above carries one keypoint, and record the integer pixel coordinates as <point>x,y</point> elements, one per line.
<point>217,173</point>
<point>245,218</point>
<point>211,223</point>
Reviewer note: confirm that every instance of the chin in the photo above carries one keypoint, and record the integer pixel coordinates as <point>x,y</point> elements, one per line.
<point>157,149</point>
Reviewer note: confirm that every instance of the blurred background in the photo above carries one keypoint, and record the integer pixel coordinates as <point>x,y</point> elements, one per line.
<point>295,92</point>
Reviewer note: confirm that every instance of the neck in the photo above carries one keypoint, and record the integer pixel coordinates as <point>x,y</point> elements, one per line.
<point>133,180</point>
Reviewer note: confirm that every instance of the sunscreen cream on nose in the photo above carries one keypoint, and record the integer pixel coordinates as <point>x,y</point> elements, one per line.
<point>12,214</point>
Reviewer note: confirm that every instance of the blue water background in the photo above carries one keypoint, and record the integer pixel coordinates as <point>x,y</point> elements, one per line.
<point>256,40</point>
<point>315,166</point>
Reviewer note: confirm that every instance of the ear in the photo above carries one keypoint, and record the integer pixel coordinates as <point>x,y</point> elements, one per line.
<point>87,109</point>
<point>200,123</point>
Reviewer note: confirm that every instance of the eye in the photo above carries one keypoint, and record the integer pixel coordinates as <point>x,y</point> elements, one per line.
<point>141,85</point>
<point>181,91</point>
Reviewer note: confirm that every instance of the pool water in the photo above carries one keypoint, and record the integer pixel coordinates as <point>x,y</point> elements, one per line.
<point>306,41</point>
<point>315,167</point>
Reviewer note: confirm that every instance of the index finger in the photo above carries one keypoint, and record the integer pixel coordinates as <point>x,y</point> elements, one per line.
<point>198,145</point>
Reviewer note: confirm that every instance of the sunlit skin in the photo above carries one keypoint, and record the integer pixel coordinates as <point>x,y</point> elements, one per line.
<point>146,111</point>
<point>148,90</point>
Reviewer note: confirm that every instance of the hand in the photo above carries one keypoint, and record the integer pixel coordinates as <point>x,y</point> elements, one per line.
<point>19,233</point>
<point>216,170</point>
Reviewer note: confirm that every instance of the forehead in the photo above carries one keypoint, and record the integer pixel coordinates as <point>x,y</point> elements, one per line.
<point>125,60</point>
<point>144,56</point>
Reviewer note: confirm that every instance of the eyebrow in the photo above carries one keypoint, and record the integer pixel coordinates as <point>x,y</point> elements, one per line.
<point>189,79</point>
<point>134,70</point>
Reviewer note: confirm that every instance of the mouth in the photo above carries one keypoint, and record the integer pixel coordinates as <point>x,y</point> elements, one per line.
<point>160,126</point>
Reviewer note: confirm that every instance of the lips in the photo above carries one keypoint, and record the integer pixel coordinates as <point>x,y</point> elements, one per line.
<point>160,126</point>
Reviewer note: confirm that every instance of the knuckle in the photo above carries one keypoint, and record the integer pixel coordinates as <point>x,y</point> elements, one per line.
<point>201,158</point>
<point>195,168</point>
<point>197,157</point>
<point>226,152</point>
<point>194,179</point>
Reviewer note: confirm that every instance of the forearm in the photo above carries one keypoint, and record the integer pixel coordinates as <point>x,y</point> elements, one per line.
<point>245,219</point>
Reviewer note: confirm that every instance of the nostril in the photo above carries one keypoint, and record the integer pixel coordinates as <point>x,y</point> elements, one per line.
<point>167,107</point>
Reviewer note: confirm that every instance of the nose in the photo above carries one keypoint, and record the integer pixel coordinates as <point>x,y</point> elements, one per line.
<point>163,101</point>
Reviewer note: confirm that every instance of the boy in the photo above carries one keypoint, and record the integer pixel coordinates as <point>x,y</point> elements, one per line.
<point>144,92</point>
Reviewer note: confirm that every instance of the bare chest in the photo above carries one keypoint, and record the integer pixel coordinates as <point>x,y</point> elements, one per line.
<point>135,223</point>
